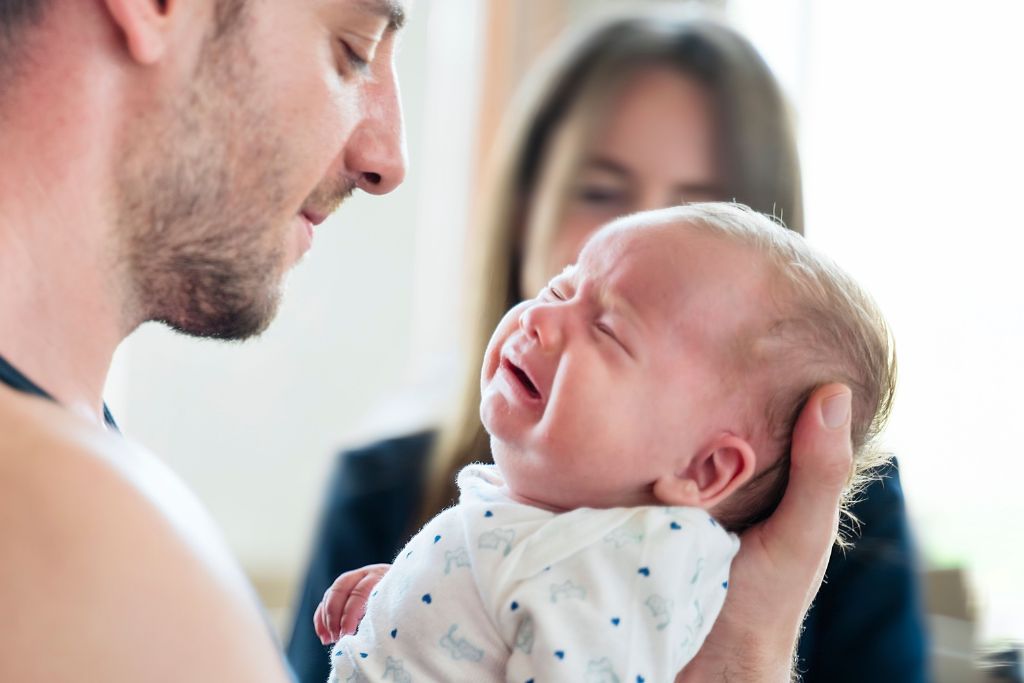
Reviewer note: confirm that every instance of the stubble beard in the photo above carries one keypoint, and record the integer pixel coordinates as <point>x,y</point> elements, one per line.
<point>200,224</point>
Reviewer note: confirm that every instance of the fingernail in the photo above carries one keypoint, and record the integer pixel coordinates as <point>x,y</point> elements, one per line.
<point>835,410</point>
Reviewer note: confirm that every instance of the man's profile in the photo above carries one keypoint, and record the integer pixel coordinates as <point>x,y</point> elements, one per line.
<point>163,161</point>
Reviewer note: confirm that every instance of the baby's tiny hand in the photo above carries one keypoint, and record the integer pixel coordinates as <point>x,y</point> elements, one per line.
<point>344,603</point>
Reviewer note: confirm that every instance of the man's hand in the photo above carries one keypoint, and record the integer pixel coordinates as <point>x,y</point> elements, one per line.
<point>344,603</point>
<point>781,561</point>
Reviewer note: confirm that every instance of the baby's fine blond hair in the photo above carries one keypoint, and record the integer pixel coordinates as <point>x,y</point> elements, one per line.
<point>818,327</point>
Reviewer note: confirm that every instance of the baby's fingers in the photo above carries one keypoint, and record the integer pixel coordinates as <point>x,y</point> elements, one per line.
<point>320,627</point>
<point>355,605</point>
<point>327,618</point>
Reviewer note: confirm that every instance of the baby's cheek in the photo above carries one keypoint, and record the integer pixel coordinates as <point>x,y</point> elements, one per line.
<point>505,329</point>
<point>492,356</point>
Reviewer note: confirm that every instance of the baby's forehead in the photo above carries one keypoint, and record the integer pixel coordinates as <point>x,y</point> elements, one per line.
<point>681,273</point>
<point>674,251</point>
<point>644,230</point>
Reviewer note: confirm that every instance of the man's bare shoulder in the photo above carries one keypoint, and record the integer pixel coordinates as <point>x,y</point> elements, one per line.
<point>112,571</point>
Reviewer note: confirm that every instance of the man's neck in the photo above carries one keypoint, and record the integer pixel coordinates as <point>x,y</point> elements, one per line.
<point>61,311</point>
<point>58,328</point>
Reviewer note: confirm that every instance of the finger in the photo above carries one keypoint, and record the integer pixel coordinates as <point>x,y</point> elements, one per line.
<point>804,524</point>
<point>318,624</point>
<point>325,623</point>
<point>334,609</point>
<point>334,602</point>
<point>355,606</point>
<point>323,620</point>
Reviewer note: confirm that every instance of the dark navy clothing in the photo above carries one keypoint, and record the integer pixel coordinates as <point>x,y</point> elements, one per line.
<point>13,378</point>
<point>866,624</point>
<point>867,621</point>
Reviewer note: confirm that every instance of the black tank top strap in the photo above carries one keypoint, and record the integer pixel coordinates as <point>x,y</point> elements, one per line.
<point>13,378</point>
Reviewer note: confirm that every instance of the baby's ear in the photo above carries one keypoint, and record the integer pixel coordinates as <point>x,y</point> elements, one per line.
<point>715,472</point>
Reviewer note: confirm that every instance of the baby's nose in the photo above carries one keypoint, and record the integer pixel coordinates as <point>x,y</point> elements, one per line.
<point>543,323</point>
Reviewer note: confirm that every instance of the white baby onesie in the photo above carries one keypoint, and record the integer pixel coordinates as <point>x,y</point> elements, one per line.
<point>494,590</point>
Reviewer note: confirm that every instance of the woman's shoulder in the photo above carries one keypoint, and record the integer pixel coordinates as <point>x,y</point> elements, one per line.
<point>880,508</point>
<point>392,464</point>
<point>393,449</point>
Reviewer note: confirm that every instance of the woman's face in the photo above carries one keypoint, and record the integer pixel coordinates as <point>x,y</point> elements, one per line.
<point>655,147</point>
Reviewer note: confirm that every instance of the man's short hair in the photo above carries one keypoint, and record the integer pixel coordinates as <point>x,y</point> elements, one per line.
<point>16,16</point>
<point>12,12</point>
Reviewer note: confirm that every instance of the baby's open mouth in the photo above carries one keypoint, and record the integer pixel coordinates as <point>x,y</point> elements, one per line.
<point>523,378</point>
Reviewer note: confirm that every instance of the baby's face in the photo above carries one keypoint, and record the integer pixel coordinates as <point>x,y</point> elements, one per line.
<point>612,376</point>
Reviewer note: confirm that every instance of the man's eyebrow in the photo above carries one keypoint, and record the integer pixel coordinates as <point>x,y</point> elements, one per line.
<point>389,9</point>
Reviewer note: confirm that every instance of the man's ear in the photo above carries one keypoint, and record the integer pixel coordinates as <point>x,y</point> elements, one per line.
<point>144,24</point>
<point>715,472</point>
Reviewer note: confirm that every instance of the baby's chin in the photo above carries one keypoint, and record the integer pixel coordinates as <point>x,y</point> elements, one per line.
<point>549,493</point>
<point>519,480</point>
<point>543,504</point>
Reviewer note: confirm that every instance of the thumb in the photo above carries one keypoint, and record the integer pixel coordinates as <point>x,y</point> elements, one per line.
<point>805,522</point>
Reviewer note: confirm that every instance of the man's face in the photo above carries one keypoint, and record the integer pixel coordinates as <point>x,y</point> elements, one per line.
<point>612,376</point>
<point>287,108</point>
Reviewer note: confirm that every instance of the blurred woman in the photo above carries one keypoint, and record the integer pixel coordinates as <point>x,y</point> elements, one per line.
<point>630,115</point>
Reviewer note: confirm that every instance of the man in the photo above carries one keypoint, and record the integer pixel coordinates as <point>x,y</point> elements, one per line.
<point>167,160</point>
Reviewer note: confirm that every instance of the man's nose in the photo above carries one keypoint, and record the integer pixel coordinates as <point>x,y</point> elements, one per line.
<point>545,323</point>
<point>376,149</point>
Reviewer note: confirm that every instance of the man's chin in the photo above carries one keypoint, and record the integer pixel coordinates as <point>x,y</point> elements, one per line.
<point>236,324</point>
